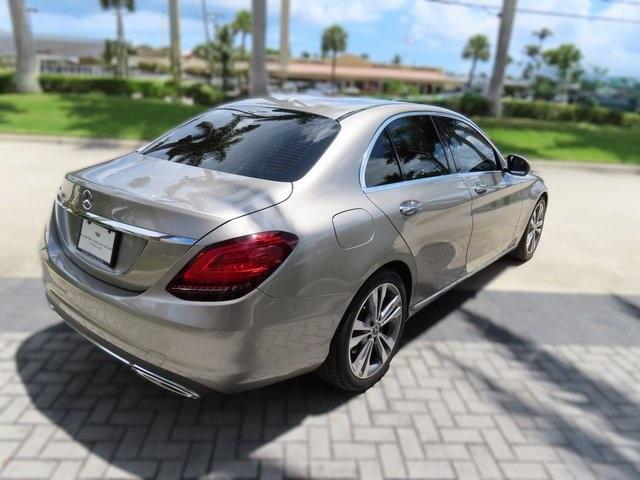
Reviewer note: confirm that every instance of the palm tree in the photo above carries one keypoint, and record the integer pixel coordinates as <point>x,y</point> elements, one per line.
<point>27,72</point>
<point>118,5</point>
<point>334,40</point>
<point>222,50</point>
<point>258,48</point>
<point>242,25</point>
<point>477,48</point>
<point>542,35</point>
<point>507,18</point>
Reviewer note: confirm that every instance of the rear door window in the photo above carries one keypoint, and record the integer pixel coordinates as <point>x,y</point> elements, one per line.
<point>272,144</point>
<point>419,149</point>
<point>382,166</point>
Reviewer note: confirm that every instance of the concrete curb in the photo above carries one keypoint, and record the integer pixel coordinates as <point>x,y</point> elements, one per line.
<point>86,141</point>
<point>592,166</point>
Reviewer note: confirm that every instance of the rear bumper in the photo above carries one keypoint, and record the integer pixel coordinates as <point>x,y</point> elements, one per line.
<point>225,346</point>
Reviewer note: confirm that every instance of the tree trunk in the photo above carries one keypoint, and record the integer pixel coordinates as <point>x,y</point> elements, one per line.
<point>174,27</point>
<point>284,36</point>
<point>121,66</point>
<point>472,72</point>
<point>333,67</point>
<point>27,73</point>
<point>258,47</point>
<point>500,62</point>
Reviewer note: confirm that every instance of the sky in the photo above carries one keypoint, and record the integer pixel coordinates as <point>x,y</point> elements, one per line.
<point>421,32</point>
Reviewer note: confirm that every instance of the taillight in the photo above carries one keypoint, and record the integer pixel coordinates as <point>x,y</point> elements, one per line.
<point>232,268</point>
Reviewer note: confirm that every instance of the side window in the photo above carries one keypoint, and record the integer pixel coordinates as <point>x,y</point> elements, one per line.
<point>382,166</point>
<point>471,152</point>
<point>419,149</point>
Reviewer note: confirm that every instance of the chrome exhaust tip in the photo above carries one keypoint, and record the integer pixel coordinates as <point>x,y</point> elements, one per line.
<point>164,382</point>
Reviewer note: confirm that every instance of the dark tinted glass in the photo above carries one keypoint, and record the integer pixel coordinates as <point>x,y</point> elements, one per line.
<point>419,149</point>
<point>382,167</point>
<point>471,152</point>
<point>272,144</point>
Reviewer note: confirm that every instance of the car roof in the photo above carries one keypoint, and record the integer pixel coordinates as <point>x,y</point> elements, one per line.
<point>336,108</point>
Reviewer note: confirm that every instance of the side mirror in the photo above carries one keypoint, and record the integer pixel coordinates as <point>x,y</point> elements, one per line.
<point>518,165</point>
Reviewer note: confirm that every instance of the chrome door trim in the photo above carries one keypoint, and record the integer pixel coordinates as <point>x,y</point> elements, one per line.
<point>126,228</point>
<point>424,302</point>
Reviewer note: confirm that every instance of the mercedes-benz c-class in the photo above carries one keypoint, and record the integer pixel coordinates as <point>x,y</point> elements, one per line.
<point>266,238</point>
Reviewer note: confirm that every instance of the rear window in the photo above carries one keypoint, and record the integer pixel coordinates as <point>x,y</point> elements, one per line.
<point>273,144</point>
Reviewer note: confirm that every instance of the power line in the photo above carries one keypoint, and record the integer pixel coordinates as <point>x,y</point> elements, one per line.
<point>624,2</point>
<point>533,11</point>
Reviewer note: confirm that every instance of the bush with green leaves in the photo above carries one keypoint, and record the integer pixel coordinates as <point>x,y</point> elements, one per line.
<point>204,94</point>
<point>562,112</point>
<point>7,84</point>
<point>201,93</point>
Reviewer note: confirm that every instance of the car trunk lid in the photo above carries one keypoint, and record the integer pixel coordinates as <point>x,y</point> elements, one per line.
<point>159,210</point>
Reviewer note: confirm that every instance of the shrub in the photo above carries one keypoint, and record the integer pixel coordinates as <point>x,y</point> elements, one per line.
<point>204,94</point>
<point>631,120</point>
<point>7,84</point>
<point>561,112</point>
<point>73,84</point>
<point>472,104</point>
<point>201,93</point>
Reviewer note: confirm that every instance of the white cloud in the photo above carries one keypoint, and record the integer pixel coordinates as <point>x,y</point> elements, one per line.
<point>615,46</point>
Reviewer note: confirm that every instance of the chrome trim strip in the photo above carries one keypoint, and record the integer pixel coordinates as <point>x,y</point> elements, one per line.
<point>143,372</point>
<point>424,302</point>
<point>126,228</point>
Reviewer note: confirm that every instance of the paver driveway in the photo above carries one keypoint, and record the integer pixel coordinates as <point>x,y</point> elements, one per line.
<point>528,371</point>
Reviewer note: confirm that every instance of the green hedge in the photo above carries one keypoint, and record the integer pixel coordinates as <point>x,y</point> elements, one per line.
<point>476,105</point>
<point>7,84</point>
<point>204,94</point>
<point>109,86</point>
<point>201,93</point>
<point>561,112</point>
<point>468,104</point>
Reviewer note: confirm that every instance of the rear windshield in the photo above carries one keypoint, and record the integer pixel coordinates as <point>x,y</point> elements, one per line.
<point>273,144</point>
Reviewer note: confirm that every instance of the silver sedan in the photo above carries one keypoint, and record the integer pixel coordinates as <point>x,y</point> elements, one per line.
<point>266,238</point>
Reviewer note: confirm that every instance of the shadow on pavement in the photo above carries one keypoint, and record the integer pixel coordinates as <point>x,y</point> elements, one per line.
<point>132,424</point>
<point>139,429</point>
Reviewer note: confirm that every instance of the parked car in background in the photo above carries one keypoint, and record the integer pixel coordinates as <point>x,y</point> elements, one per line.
<point>266,238</point>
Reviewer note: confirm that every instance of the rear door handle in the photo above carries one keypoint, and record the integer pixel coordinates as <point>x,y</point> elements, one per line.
<point>480,188</point>
<point>410,207</point>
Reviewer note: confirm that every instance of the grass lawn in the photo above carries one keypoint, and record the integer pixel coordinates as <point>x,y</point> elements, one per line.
<point>96,115</point>
<point>92,115</point>
<point>582,142</point>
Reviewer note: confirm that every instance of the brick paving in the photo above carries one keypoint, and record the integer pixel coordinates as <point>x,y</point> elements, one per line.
<point>493,406</point>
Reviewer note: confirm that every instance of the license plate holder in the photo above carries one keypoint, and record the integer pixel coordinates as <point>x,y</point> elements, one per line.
<point>97,241</point>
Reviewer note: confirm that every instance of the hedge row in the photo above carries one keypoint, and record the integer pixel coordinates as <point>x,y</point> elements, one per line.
<point>477,105</point>
<point>54,83</point>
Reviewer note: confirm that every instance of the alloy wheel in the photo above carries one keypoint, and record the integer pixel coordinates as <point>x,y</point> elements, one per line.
<point>375,330</point>
<point>534,229</point>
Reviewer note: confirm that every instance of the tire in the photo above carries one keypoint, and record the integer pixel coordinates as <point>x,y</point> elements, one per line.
<point>524,251</point>
<point>344,366</point>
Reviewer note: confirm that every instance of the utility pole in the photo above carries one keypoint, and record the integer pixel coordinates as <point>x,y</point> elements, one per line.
<point>258,81</point>
<point>27,72</point>
<point>507,17</point>
<point>174,27</point>
<point>284,37</point>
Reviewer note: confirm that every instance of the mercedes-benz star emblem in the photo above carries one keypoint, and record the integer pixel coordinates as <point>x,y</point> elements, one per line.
<point>87,200</point>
